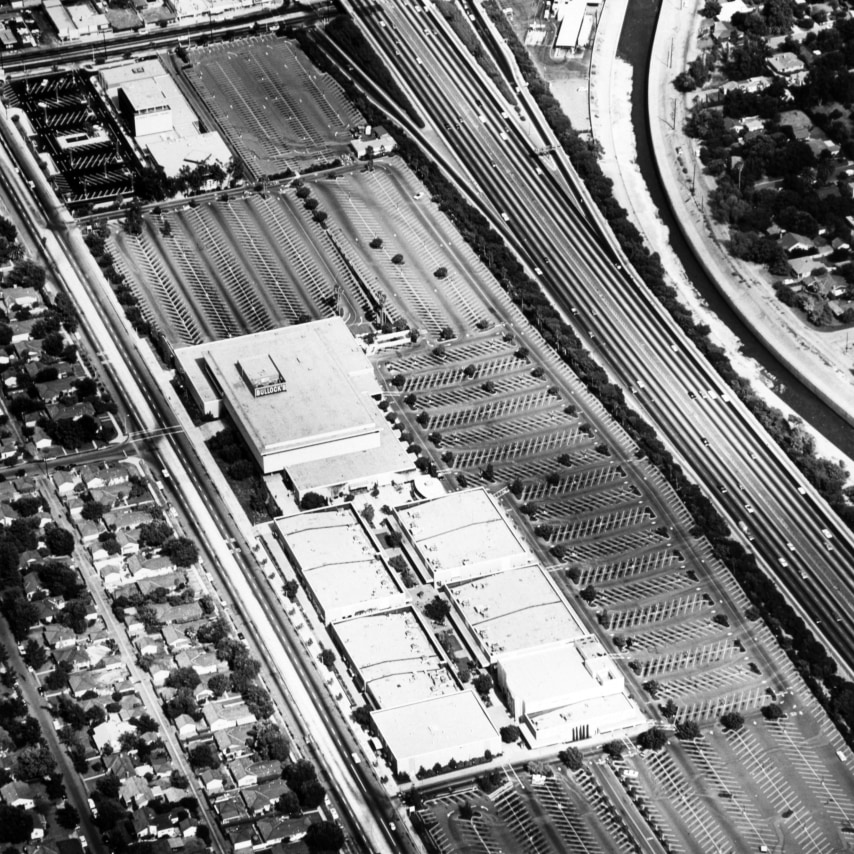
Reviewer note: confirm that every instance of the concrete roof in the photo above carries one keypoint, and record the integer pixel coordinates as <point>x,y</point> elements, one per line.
<point>517,609</point>
<point>327,377</point>
<point>337,557</point>
<point>191,151</point>
<point>557,676</point>
<point>395,657</point>
<point>145,94</point>
<point>446,722</point>
<point>389,457</point>
<point>463,527</point>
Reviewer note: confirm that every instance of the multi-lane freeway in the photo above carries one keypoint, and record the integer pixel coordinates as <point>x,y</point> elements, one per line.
<point>535,205</point>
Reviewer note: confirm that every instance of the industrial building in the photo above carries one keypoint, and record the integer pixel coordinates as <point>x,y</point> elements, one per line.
<point>338,563</point>
<point>394,659</point>
<point>160,118</point>
<point>516,610</point>
<point>144,107</point>
<point>462,535</point>
<point>303,398</point>
<point>435,731</point>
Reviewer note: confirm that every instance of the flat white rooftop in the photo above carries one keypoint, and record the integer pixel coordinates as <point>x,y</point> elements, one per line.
<point>601,714</point>
<point>395,658</point>
<point>191,151</point>
<point>516,610</point>
<point>464,528</point>
<point>338,559</point>
<point>383,462</point>
<point>325,393</point>
<point>453,721</point>
<point>554,677</point>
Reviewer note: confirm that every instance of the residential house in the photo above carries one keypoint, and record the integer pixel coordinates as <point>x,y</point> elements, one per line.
<point>204,662</point>
<point>178,613</point>
<point>128,542</point>
<point>798,122</point>
<point>32,584</point>
<point>20,298</point>
<point>789,67</point>
<point>125,519</point>
<point>792,243</point>
<point>186,726</point>
<point>148,645</point>
<point>109,732</point>
<point>160,668</point>
<point>242,837</point>
<point>231,809</point>
<point>174,638</point>
<point>275,829</point>
<point>144,822</point>
<point>119,764</point>
<point>235,742</point>
<point>97,477</point>
<point>135,792</point>
<point>213,781</point>
<point>58,637</point>
<point>262,798</point>
<point>18,794</point>
<point>39,826</point>
<point>139,569</point>
<point>69,411</point>
<point>168,582</point>
<point>219,716</point>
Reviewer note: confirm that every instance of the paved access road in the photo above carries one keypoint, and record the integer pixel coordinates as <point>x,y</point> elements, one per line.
<point>533,203</point>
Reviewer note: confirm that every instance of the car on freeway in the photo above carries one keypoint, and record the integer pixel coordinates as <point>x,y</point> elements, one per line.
<point>723,490</point>
<point>692,395</point>
<point>803,574</point>
<point>241,636</point>
<point>711,393</point>
<point>418,195</point>
<point>574,310</point>
<point>827,533</point>
<point>538,271</point>
<point>745,530</point>
<point>641,386</point>
<point>591,333</point>
<point>674,348</point>
<point>749,508</point>
<point>418,60</point>
<point>782,561</point>
<point>505,217</point>
<point>828,547</point>
<point>503,136</point>
<point>705,441</point>
<point>802,490</point>
<point>725,398</point>
<point>790,546</point>
<point>504,114</point>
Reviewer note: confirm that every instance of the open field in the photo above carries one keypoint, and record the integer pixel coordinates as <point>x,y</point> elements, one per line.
<point>277,111</point>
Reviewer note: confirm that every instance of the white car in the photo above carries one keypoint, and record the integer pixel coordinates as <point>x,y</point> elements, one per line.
<point>782,561</point>
<point>749,508</point>
<point>802,490</point>
<point>827,534</point>
<point>790,546</point>
<point>641,386</point>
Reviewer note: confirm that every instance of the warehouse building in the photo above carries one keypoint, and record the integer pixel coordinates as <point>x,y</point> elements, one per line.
<point>339,563</point>
<point>516,610</point>
<point>462,535</point>
<point>304,398</point>
<point>393,658</point>
<point>435,731</point>
<point>144,107</point>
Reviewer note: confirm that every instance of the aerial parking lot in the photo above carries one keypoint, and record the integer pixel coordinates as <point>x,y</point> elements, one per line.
<point>278,112</point>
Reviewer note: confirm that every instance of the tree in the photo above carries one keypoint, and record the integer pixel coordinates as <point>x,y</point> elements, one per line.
<point>204,756</point>
<point>572,758</point>
<point>183,677</point>
<point>324,836</point>
<point>368,513</point>
<point>684,82</point>
<point>53,344</point>
<point>257,698</point>
<point>688,730</point>
<point>397,259</point>
<point>588,594</point>
<point>34,654</point>
<point>311,794</point>
<point>58,540</point>
<point>732,721</point>
<point>312,501</point>
<point>290,589</point>
<point>93,511</point>
<point>615,749</point>
<point>376,243</point>
<point>669,709</point>
<point>510,734</point>
<point>34,762</point>
<point>154,534</point>
<point>218,683</point>
<point>482,684</point>
<point>271,743</point>
<point>437,609</point>
<point>711,10</point>
<point>288,804</point>
<point>772,712</point>
<point>327,658</point>
<point>362,716</point>
<point>133,217</point>
<point>182,550</point>
<point>109,785</point>
<point>16,824</point>
<point>68,817</point>
<point>440,272</point>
